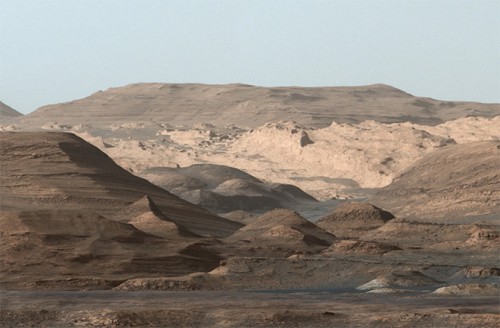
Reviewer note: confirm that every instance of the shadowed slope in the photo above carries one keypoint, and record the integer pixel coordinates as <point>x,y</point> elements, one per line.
<point>45,170</point>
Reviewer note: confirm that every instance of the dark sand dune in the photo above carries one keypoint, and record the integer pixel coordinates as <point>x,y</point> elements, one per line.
<point>448,184</point>
<point>252,106</point>
<point>43,170</point>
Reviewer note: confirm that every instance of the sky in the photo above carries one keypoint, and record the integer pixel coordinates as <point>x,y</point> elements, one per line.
<point>54,51</point>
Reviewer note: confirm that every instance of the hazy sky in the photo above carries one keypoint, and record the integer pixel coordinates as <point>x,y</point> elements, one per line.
<point>58,50</point>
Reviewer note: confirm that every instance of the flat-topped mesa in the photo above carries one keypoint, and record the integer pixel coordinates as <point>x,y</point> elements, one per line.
<point>41,170</point>
<point>252,106</point>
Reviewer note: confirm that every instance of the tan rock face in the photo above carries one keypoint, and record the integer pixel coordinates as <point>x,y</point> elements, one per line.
<point>343,160</point>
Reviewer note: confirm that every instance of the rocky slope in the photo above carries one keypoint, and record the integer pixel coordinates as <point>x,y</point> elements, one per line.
<point>352,219</point>
<point>285,229</point>
<point>251,106</point>
<point>71,218</point>
<point>78,249</point>
<point>146,216</point>
<point>43,170</point>
<point>460,180</point>
<point>7,112</point>
<point>224,189</point>
<point>341,160</point>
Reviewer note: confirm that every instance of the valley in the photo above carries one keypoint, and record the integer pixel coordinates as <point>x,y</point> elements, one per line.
<point>285,206</point>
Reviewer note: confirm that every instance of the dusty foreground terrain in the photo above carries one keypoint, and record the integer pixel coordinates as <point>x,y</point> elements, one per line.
<point>244,309</point>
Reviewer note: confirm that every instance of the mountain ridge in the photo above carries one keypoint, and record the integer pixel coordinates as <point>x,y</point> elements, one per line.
<point>251,106</point>
<point>8,112</point>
